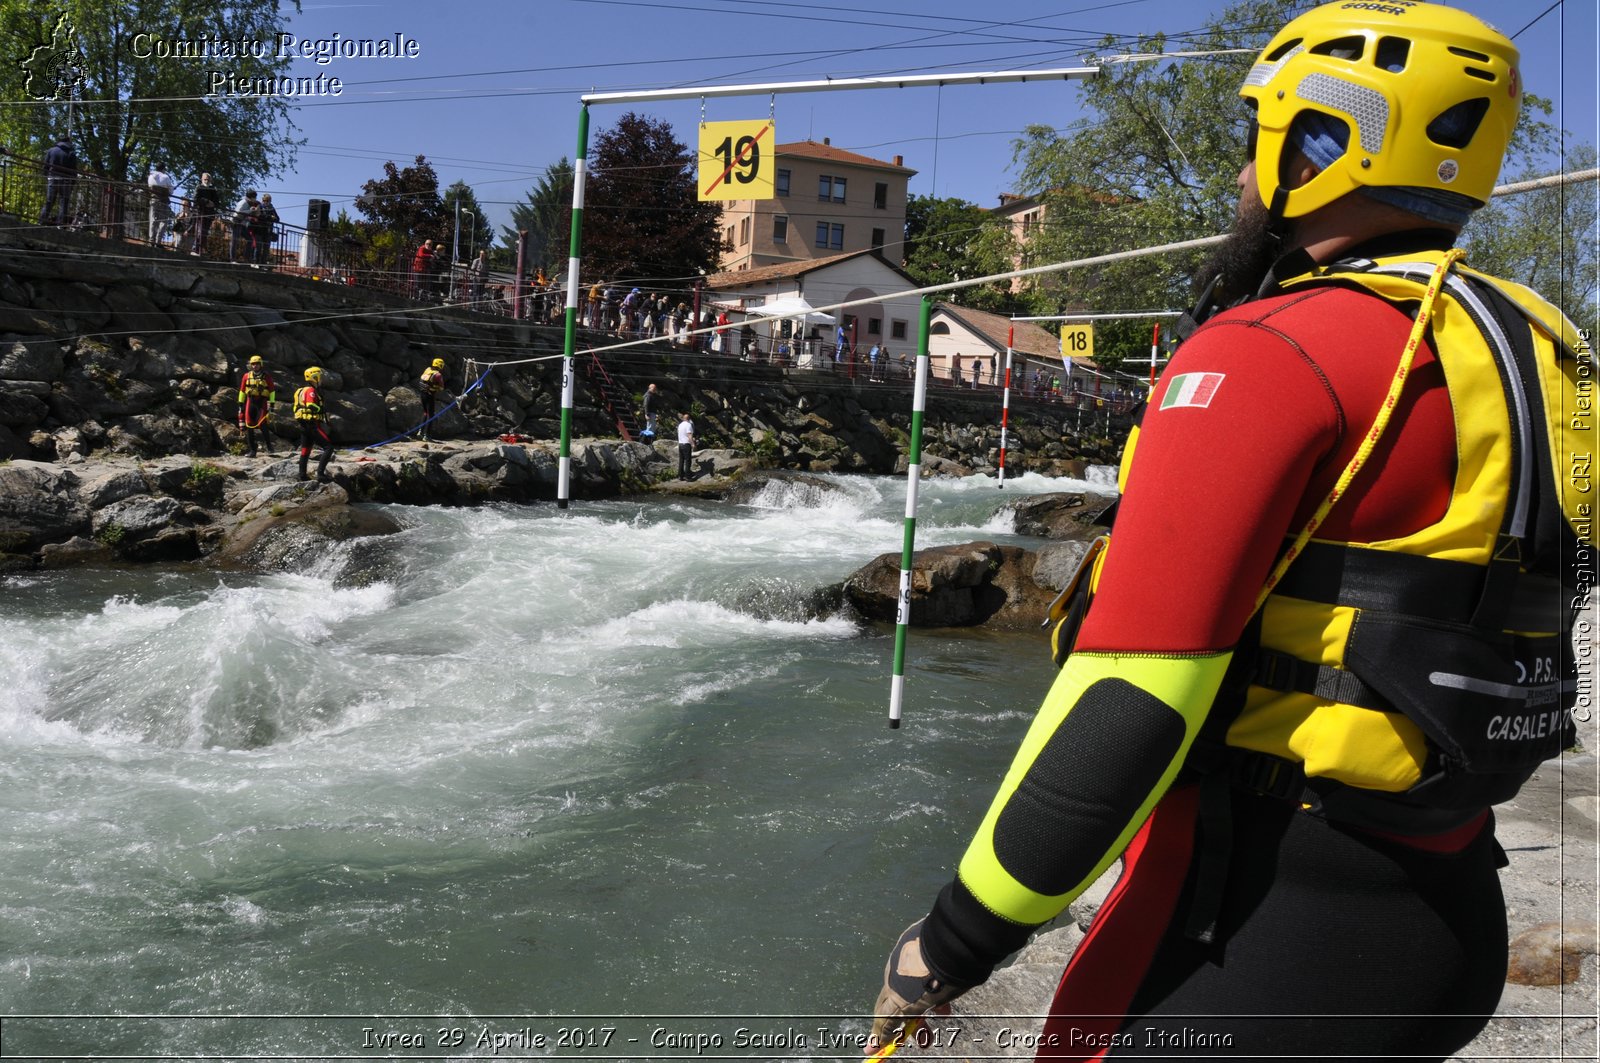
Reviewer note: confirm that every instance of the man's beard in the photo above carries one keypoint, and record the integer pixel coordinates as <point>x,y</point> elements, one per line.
<point>1243,259</point>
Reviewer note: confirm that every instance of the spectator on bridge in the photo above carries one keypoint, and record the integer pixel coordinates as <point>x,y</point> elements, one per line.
<point>60,170</point>
<point>160,185</point>
<point>265,228</point>
<point>477,269</point>
<point>422,266</point>
<point>207,201</point>
<point>183,226</point>
<point>244,212</point>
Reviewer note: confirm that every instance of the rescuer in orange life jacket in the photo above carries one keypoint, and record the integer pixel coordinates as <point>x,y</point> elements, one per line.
<point>313,422</point>
<point>1294,751</point>
<point>257,393</point>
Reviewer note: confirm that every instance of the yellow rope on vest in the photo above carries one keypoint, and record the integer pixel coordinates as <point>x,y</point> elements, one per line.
<point>1401,373</point>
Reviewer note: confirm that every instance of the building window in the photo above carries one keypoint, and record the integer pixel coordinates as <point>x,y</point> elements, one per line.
<point>781,182</point>
<point>830,236</point>
<point>897,330</point>
<point>780,228</point>
<point>874,326</point>
<point>880,196</point>
<point>877,239</point>
<point>744,230</point>
<point>727,236</point>
<point>830,189</point>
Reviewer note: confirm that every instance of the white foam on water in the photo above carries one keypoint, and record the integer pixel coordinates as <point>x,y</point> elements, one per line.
<point>539,711</point>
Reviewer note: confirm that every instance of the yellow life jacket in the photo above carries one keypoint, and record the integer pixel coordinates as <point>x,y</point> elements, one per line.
<point>307,404</point>
<point>1436,668</point>
<point>255,386</point>
<point>432,379</point>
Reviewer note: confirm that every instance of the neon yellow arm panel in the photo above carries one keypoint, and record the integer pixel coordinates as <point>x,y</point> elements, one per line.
<point>1108,741</point>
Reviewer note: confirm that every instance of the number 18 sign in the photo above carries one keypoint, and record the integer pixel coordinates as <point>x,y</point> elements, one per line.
<point>734,160</point>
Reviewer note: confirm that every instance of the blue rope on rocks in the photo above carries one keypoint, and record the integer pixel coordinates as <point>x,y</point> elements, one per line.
<point>469,389</point>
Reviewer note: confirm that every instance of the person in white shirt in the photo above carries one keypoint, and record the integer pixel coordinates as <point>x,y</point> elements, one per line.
<point>160,184</point>
<point>685,446</point>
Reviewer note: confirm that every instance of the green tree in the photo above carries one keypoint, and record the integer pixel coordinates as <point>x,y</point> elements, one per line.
<point>1157,161</point>
<point>476,233</point>
<point>407,202</point>
<point>127,110</point>
<point>949,239</point>
<point>546,217</point>
<point>642,218</point>
<point>1544,239</point>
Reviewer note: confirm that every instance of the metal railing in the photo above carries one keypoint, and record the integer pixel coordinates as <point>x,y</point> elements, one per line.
<point>120,211</point>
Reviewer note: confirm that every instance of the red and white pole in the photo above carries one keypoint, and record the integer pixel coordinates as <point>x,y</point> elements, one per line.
<point>1005,405</point>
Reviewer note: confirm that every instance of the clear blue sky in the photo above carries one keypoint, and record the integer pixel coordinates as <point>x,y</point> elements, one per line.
<point>492,96</point>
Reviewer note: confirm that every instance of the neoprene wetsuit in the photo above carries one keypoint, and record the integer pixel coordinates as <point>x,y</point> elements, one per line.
<point>1249,429</point>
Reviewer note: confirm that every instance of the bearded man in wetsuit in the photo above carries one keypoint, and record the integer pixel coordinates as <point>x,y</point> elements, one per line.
<point>1333,623</point>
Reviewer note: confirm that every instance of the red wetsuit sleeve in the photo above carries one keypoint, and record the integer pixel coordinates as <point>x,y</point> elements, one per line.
<point>1250,426</point>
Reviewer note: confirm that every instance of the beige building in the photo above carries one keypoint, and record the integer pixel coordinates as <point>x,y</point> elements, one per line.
<point>829,202</point>
<point>1026,216</point>
<point>956,332</point>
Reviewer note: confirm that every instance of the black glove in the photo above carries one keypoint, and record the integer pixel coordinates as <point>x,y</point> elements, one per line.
<point>910,988</point>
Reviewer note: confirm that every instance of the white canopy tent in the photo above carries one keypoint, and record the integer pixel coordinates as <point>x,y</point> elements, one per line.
<point>792,306</point>
<point>806,353</point>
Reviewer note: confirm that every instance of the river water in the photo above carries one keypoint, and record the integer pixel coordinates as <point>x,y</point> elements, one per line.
<point>521,770</point>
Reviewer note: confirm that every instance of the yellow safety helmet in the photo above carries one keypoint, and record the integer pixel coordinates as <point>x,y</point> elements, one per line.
<point>314,375</point>
<point>438,363</point>
<point>255,359</point>
<point>1429,94</point>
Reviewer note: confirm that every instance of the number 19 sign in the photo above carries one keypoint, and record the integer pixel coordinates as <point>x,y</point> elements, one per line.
<point>734,160</point>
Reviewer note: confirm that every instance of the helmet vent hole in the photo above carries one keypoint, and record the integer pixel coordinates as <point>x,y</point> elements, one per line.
<point>1348,48</point>
<point>1283,49</point>
<point>1392,54</point>
<point>1468,53</point>
<point>1478,72</point>
<point>1455,127</point>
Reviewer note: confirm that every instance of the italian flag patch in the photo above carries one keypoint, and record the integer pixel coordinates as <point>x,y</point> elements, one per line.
<point>1191,389</point>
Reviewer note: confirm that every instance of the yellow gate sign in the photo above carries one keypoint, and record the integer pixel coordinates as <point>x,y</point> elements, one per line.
<point>1077,341</point>
<point>735,160</point>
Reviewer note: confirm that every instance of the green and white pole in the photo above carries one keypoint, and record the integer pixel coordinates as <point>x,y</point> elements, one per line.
<point>902,615</point>
<point>570,342</point>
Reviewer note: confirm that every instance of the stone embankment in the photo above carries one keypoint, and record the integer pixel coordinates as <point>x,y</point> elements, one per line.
<point>121,349</point>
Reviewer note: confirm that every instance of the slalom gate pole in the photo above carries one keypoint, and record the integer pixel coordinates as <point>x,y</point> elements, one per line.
<point>1005,404</point>
<point>1155,346</point>
<point>902,616</point>
<point>569,341</point>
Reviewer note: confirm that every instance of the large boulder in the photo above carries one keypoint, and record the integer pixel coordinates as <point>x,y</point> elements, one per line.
<point>37,506</point>
<point>1061,515</point>
<point>30,359</point>
<point>954,586</point>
